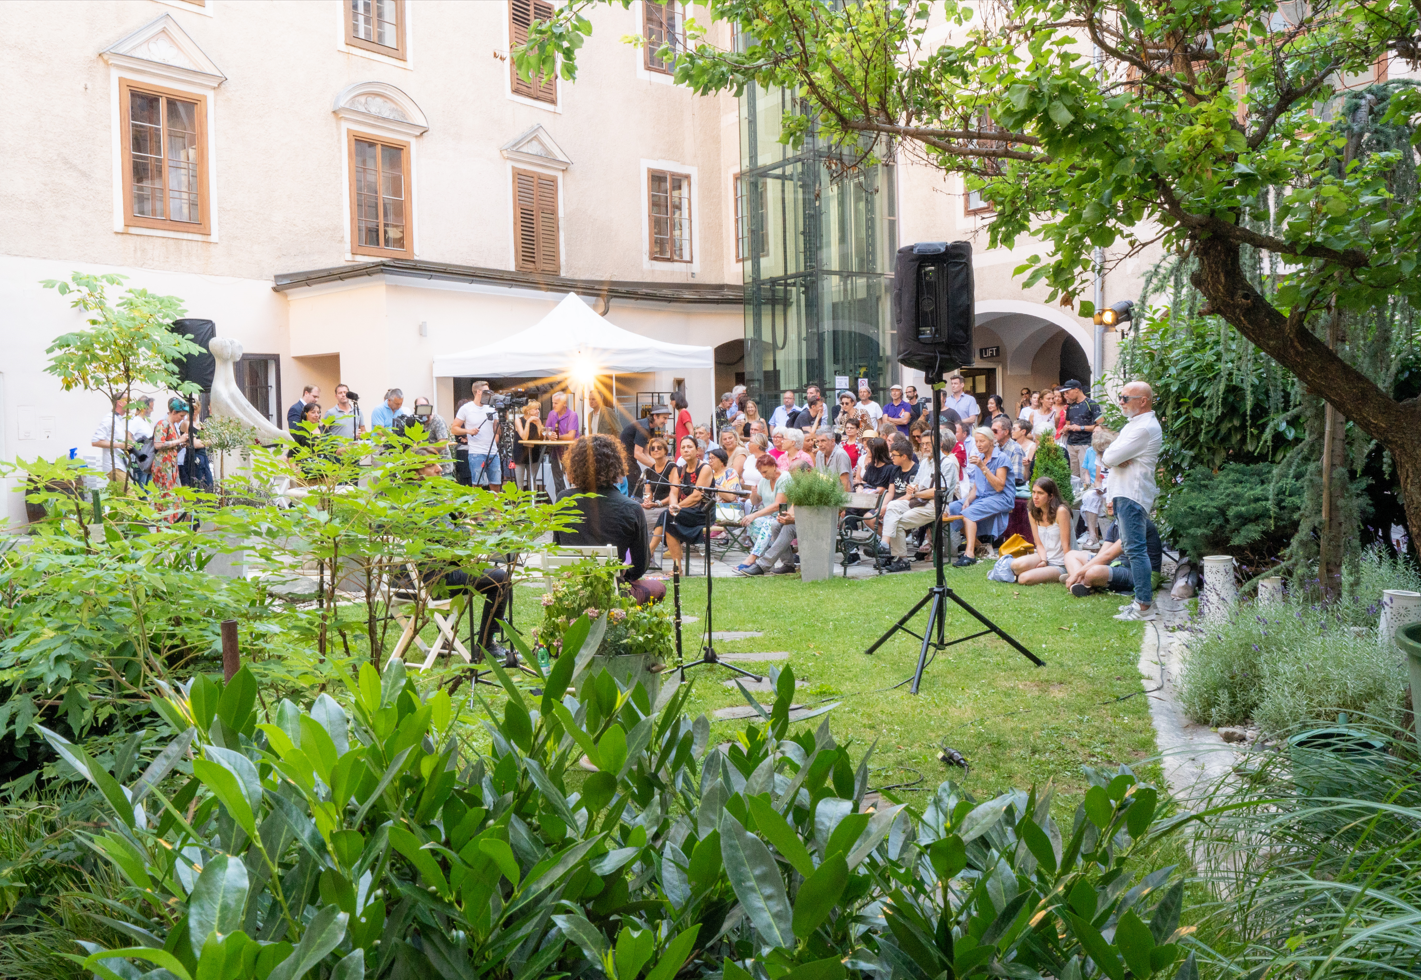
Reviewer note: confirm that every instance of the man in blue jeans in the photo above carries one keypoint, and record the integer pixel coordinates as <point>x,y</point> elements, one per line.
<point>1132,459</point>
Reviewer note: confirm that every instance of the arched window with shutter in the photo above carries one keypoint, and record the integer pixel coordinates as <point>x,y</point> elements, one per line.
<point>522,14</point>
<point>535,223</point>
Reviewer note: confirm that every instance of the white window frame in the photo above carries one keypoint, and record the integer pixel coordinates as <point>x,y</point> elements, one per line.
<point>407,63</point>
<point>508,93</point>
<point>644,188</point>
<point>642,72</point>
<point>139,76</point>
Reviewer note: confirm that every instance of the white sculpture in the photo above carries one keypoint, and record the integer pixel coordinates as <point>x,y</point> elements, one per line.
<point>227,397</point>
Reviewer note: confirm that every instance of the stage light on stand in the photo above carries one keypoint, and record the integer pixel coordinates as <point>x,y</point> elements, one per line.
<point>1117,313</point>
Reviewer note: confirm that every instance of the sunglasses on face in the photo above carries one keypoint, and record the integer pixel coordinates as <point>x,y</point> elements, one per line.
<point>1126,399</point>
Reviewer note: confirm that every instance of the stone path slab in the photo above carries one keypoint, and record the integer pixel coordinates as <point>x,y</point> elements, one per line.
<point>730,636</point>
<point>752,658</point>
<point>743,711</point>
<point>763,686</point>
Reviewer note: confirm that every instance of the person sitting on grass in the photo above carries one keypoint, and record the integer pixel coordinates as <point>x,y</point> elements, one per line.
<point>594,465</point>
<point>1050,532</point>
<point>1107,568</point>
<point>685,519</point>
<point>767,501</point>
<point>992,496</point>
<point>913,508</point>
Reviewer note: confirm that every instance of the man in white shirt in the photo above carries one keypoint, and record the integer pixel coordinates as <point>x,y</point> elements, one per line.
<point>478,424</point>
<point>915,508</point>
<point>867,405</point>
<point>786,410</point>
<point>112,438</point>
<point>962,403</point>
<point>1132,459</point>
<point>832,458</point>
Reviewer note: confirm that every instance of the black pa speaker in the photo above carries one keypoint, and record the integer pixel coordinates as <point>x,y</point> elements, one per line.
<point>933,306</point>
<point>198,368</point>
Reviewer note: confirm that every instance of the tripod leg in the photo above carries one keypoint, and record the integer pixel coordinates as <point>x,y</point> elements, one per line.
<point>935,612</point>
<point>899,625</point>
<point>996,629</point>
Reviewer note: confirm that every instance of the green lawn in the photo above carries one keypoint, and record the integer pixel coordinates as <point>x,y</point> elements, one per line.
<point>1016,724</point>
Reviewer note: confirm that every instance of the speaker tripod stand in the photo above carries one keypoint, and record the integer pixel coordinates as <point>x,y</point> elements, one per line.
<point>708,657</point>
<point>934,635</point>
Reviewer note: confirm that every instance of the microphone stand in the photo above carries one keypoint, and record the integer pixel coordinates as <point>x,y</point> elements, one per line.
<point>708,655</point>
<point>937,596</point>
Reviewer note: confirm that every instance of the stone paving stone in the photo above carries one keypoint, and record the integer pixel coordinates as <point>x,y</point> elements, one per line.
<point>763,685</point>
<point>741,711</point>
<point>751,658</point>
<point>729,636</point>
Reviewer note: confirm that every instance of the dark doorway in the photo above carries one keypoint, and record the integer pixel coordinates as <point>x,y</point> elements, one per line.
<point>1074,364</point>
<point>979,383</point>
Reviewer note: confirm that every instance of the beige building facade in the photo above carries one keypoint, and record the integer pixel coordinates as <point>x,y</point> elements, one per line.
<point>352,188</point>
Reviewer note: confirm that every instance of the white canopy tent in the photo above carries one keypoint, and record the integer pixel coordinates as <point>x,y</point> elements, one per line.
<point>572,340</point>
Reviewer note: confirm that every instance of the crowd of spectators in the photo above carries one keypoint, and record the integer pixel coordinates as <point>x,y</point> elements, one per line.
<point>682,478</point>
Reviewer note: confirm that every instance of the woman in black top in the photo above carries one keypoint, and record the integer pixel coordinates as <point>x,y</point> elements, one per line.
<point>657,481</point>
<point>594,465</point>
<point>685,518</point>
<point>878,470</point>
<point>306,434</point>
<point>529,426</point>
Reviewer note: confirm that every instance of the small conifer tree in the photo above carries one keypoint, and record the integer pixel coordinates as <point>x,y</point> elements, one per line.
<point>1051,461</point>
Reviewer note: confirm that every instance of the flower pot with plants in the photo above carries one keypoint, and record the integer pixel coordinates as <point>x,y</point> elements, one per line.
<point>816,497</point>
<point>639,639</point>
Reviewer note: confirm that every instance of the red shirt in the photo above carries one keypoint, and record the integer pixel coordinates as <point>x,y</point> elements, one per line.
<point>684,426</point>
<point>960,451</point>
<point>852,448</point>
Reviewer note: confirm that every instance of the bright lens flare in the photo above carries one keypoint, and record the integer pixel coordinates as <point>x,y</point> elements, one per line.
<point>583,373</point>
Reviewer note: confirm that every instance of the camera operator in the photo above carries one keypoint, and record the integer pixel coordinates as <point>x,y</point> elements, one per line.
<point>594,464</point>
<point>436,431</point>
<point>477,422</point>
<point>343,418</point>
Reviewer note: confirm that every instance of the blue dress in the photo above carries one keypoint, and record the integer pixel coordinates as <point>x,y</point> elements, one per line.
<point>990,509</point>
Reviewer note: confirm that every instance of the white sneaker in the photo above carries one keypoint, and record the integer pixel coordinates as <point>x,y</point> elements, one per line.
<point>1136,613</point>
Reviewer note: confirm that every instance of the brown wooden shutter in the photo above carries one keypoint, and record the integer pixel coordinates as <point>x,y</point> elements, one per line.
<point>548,260</point>
<point>536,222</point>
<point>522,14</point>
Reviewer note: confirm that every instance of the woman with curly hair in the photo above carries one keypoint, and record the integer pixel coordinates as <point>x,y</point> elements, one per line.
<point>594,465</point>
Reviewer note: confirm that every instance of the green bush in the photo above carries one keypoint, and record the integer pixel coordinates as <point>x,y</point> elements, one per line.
<point>1294,663</point>
<point>815,488</point>
<point>1249,511</point>
<point>1051,461</point>
<point>335,844</point>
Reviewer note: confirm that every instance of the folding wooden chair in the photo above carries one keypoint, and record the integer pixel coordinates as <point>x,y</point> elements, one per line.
<point>405,606</point>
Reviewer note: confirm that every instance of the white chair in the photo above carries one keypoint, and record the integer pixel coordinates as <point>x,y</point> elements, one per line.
<point>405,607</point>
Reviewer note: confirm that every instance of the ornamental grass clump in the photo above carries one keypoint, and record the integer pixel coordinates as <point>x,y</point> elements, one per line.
<point>815,488</point>
<point>1292,663</point>
<point>1316,862</point>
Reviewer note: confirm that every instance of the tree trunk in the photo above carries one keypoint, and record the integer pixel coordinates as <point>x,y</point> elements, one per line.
<point>1396,425</point>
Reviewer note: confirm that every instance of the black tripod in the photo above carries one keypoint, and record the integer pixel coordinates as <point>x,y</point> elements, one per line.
<point>936,599</point>
<point>708,655</point>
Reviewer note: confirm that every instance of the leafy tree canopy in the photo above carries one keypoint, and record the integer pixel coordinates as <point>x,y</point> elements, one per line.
<point>1203,128</point>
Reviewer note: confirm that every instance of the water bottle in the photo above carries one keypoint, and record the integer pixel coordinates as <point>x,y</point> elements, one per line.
<point>544,663</point>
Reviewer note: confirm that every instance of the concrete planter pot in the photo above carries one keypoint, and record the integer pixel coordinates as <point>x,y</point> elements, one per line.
<point>818,530</point>
<point>1408,638</point>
